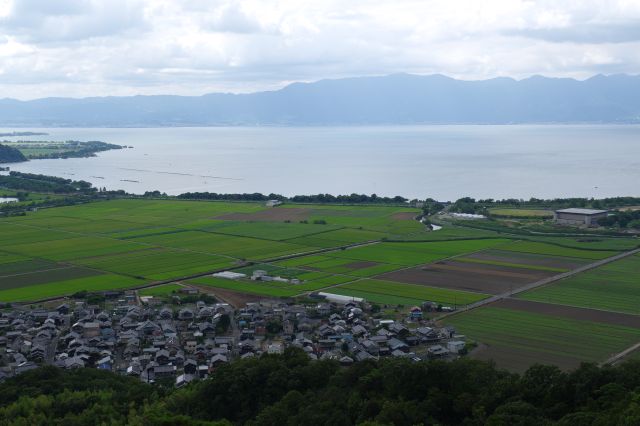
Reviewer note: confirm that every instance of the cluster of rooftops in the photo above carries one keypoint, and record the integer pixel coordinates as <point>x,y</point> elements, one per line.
<point>160,340</point>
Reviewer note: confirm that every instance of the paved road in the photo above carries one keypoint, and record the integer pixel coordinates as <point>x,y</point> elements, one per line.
<point>542,282</point>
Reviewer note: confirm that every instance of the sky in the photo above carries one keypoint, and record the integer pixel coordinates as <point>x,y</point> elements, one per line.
<point>80,48</point>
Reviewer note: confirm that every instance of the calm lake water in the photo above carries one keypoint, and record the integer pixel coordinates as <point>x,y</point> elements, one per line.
<point>442,162</point>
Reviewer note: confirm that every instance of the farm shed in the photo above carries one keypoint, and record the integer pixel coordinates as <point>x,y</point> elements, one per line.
<point>579,217</point>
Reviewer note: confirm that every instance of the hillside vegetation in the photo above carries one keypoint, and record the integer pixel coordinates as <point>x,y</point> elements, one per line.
<point>10,155</point>
<point>291,390</point>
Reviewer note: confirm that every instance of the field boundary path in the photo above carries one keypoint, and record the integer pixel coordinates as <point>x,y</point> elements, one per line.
<point>619,356</point>
<point>542,282</point>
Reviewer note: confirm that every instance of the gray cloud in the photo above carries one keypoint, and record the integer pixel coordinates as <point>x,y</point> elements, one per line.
<point>118,47</point>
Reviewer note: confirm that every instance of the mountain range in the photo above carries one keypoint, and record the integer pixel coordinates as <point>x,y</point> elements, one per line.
<point>392,99</point>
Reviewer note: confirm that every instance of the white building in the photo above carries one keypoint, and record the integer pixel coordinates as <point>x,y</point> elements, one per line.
<point>455,346</point>
<point>229,275</point>
<point>338,298</point>
<point>275,348</point>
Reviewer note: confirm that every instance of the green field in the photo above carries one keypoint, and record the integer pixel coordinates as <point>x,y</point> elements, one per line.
<point>138,240</point>
<point>414,253</point>
<point>269,289</point>
<point>595,242</point>
<point>405,294</point>
<point>613,287</point>
<point>158,264</point>
<point>518,339</point>
<point>58,288</point>
<point>554,250</point>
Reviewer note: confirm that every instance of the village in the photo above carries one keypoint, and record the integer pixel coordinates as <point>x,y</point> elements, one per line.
<point>188,336</point>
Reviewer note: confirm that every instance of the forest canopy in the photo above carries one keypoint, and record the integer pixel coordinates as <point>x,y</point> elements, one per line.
<point>290,389</point>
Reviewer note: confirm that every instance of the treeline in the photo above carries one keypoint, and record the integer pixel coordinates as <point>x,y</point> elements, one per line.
<point>11,155</point>
<point>622,219</point>
<point>348,199</point>
<point>290,389</point>
<point>471,205</point>
<point>318,198</point>
<point>42,183</point>
<point>230,197</point>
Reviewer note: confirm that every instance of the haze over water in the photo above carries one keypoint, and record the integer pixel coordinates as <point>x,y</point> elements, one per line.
<point>442,162</point>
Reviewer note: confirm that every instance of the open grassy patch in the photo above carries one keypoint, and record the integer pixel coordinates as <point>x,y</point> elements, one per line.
<point>160,291</point>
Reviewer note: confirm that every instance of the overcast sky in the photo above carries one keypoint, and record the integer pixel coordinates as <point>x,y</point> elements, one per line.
<point>124,47</point>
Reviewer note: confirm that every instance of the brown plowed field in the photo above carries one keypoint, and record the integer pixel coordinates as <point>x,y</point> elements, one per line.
<point>467,276</point>
<point>583,314</point>
<point>270,215</point>
<point>528,259</point>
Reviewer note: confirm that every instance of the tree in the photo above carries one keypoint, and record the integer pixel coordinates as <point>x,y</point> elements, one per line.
<point>224,322</point>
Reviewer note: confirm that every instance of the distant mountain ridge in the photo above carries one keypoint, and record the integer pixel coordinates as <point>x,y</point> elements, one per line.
<point>392,99</point>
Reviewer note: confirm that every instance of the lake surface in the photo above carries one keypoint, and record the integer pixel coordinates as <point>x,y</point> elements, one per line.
<point>442,162</point>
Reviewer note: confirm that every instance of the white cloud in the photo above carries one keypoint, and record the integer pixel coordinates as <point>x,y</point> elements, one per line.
<point>117,47</point>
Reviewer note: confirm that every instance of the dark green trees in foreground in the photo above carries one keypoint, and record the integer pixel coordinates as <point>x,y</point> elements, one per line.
<point>290,390</point>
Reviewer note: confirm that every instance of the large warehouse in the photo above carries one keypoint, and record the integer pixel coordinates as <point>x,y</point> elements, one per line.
<point>579,217</point>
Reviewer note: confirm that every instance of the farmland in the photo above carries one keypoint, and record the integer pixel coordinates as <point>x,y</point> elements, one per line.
<point>516,339</point>
<point>585,317</point>
<point>406,294</point>
<point>134,242</point>
<point>379,253</point>
<point>162,290</point>
<point>614,287</point>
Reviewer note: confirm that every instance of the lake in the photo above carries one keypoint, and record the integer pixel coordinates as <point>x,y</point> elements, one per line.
<point>442,162</point>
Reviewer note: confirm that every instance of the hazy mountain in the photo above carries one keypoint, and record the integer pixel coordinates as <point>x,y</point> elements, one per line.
<point>393,99</point>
